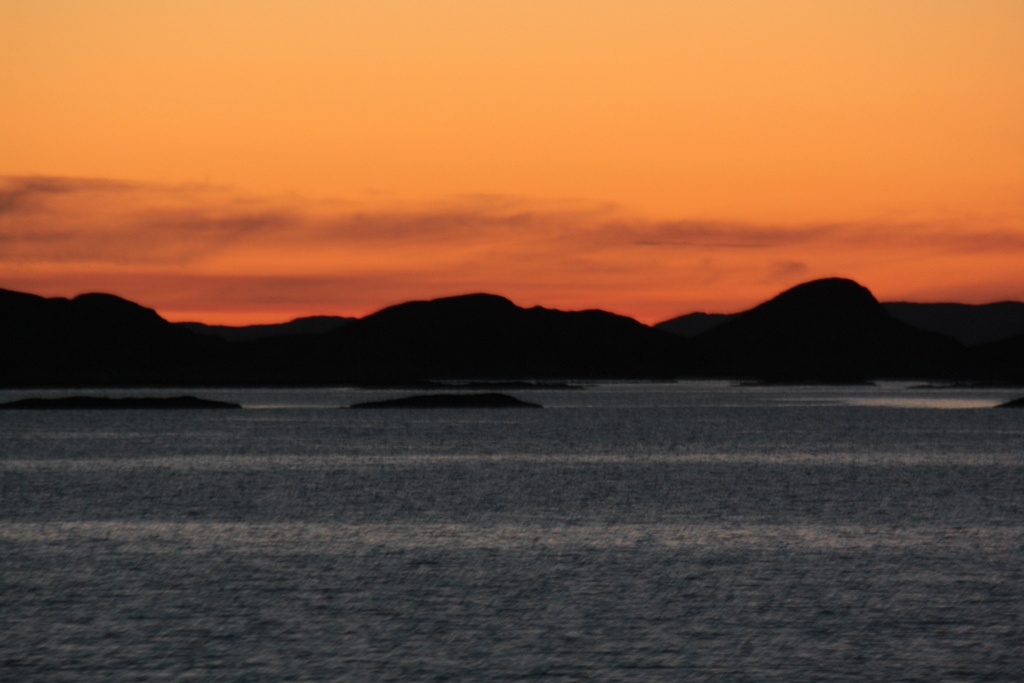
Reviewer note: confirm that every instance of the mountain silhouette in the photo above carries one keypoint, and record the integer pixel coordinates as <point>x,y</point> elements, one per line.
<point>315,324</point>
<point>476,336</point>
<point>96,340</point>
<point>826,330</point>
<point>692,324</point>
<point>969,324</point>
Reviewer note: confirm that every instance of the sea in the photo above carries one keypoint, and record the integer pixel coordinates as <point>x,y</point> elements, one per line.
<point>690,531</point>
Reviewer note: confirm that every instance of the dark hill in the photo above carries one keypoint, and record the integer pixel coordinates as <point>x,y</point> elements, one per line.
<point>96,339</point>
<point>316,324</point>
<point>826,330</point>
<point>477,336</point>
<point>968,324</point>
<point>692,324</point>
<point>998,362</point>
<point>103,340</point>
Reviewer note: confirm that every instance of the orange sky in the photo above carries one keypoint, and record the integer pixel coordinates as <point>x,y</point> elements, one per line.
<point>254,160</point>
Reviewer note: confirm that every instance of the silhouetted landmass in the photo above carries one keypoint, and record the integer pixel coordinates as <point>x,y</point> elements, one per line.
<point>317,324</point>
<point>997,362</point>
<point>829,330</point>
<point>98,340</point>
<point>692,324</point>
<point>1015,403</point>
<point>474,337</point>
<point>490,400</point>
<point>969,324</point>
<point>106,403</point>
<point>102,340</point>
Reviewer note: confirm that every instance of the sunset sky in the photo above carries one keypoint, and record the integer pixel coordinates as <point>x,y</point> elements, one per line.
<point>239,161</point>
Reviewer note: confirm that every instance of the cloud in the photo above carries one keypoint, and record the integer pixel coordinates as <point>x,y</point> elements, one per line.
<point>68,219</point>
<point>76,220</point>
<point>721,235</point>
<point>868,234</point>
<point>23,193</point>
<point>788,269</point>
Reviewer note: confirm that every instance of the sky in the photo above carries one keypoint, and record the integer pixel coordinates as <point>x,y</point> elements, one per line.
<point>243,161</point>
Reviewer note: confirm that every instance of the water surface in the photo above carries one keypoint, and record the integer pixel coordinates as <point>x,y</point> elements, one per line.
<point>692,531</point>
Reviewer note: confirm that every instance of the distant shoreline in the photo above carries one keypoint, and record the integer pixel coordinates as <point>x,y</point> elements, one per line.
<point>127,403</point>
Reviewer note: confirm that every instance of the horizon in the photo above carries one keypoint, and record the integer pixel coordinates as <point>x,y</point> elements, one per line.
<point>235,163</point>
<point>649,324</point>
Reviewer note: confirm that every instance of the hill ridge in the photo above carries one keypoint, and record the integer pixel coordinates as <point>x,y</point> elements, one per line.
<point>824,330</point>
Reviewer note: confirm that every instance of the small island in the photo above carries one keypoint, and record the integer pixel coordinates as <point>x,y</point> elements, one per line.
<point>107,403</point>
<point>1015,403</point>
<point>490,400</point>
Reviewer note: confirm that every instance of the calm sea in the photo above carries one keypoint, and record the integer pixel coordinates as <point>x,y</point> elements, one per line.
<point>627,532</point>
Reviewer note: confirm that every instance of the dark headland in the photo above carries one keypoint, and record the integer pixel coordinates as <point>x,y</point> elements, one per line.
<point>106,403</point>
<point>450,401</point>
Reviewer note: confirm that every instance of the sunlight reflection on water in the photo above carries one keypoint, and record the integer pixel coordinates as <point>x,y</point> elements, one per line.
<point>924,402</point>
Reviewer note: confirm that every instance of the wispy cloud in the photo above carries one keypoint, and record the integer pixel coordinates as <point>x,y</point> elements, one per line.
<point>24,193</point>
<point>69,220</point>
<point>871,234</point>
<point>66,218</point>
